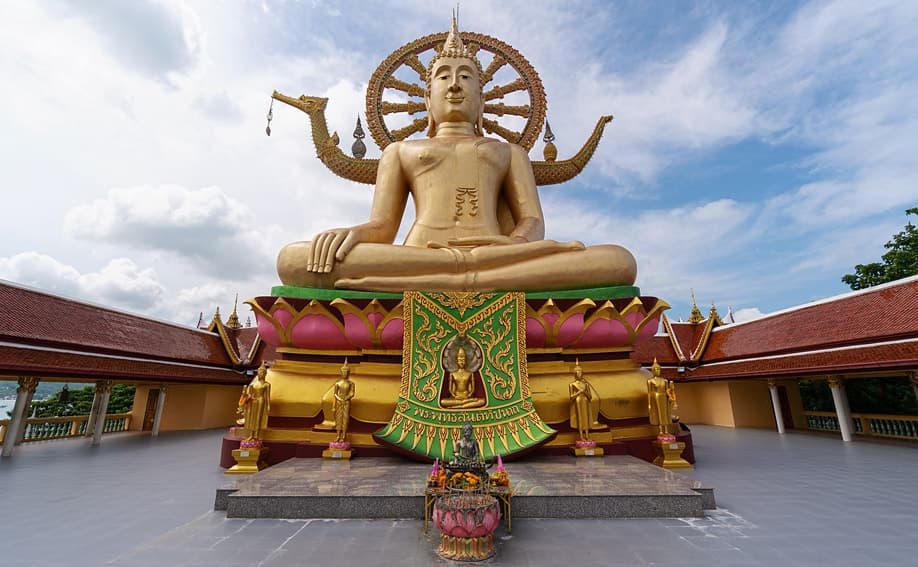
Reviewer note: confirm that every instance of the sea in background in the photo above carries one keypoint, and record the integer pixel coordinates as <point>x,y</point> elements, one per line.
<point>5,406</point>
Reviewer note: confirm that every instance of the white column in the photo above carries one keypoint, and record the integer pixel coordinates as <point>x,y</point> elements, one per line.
<point>94,412</point>
<point>160,403</point>
<point>16,427</point>
<point>30,383</point>
<point>99,427</point>
<point>841,407</point>
<point>776,405</point>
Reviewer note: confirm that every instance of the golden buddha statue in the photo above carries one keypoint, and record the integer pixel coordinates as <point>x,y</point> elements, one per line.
<point>344,392</point>
<point>660,393</point>
<point>581,401</point>
<point>479,223</point>
<point>462,386</point>
<point>256,404</point>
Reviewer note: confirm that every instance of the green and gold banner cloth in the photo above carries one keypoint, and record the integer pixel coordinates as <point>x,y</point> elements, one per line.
<point>464,359</point>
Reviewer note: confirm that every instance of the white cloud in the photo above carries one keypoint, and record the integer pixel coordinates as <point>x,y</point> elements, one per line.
<point>205,226</point>
<point>747,314</point>
<point>120,283</point>
<point>202,300</point>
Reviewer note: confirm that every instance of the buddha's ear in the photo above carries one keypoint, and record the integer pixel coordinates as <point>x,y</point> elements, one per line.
<point>480,123</point>
<point>431,127</point>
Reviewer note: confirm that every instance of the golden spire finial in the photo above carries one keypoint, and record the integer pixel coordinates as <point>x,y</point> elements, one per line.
<point>233,321</point>
<point>217,315</point>
<point>453,46</point>
<point>655,368</point>
<point>453,40</point>
<point>696,316</point>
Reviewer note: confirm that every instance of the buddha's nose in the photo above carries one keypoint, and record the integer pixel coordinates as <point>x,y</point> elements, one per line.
<point>454,86</point>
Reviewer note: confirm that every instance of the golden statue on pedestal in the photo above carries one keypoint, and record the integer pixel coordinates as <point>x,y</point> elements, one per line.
<point>660,394</point>
<point>344,392</point>
<point>479,223</point>
<point>581,401</point>
<point>255,404</point>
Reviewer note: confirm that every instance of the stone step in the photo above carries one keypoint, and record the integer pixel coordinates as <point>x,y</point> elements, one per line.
<point>548,487</point>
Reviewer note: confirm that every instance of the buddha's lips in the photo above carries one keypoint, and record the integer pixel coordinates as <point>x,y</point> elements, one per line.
<point>455,99</point>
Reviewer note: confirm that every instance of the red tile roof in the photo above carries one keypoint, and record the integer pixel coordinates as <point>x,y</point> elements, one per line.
<point>49,335</point>
<point>868,330</point>
<point>41,318</point>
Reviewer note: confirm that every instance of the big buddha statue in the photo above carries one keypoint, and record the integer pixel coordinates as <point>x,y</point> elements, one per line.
<point>475,317</point>
<point>479,223</point>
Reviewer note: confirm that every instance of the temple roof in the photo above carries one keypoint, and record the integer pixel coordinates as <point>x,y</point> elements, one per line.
<point>52,335</point>
<point>867,330</point>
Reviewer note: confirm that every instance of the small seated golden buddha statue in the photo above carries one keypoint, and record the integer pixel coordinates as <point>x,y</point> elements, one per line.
<point>462,386</point>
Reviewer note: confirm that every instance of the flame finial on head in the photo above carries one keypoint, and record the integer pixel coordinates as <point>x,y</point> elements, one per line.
<point>453,47</point>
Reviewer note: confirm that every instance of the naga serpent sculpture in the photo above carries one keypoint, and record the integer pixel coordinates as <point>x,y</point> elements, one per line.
<point>406,59</point>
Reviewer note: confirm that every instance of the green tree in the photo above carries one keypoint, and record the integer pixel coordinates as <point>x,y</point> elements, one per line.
<point>79,402</point>
<point>901,261</point>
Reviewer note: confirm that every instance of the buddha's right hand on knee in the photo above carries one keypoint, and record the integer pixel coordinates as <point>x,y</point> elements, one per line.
<point>329,246</point>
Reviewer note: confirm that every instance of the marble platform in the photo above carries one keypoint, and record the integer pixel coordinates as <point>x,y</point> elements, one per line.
<point>617,486</point>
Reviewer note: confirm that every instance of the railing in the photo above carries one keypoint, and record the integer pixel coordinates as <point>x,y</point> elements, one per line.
<point>48,428</point>
<point>867,424</point>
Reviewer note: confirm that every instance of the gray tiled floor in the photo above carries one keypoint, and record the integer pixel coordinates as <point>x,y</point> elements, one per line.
<point>137,501</point>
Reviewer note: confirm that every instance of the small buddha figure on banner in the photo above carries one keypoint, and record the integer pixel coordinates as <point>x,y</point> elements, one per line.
<point>462,384</point>
<point>344,392</point>
<point>660,396</point>
<point>255,404</point>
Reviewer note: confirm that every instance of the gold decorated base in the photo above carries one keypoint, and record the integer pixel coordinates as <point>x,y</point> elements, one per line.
<point>587,451</point>
<point>343,454</point>
<point>248,461</point>
<point>669,455</point>
<point>466,548</point>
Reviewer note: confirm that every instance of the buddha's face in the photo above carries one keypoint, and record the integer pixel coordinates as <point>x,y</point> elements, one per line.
<point>460,358</point>
<point>455,91</point>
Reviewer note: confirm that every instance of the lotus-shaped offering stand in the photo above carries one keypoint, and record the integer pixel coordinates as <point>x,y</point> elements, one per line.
<point>466,520</point>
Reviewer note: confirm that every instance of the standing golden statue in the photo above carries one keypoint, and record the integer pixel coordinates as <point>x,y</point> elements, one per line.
<point>479,223</point>
<point>255,404</point>
<point>581,404</point>
<point>344,392</point>
<point>660,396</point>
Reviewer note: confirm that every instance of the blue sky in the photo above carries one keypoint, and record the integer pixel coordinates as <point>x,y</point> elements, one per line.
<point>759,150</point>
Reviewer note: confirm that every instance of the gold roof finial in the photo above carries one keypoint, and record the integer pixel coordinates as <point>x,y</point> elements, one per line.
<point>696,316</point>
<point>233,321</point>
<point>217,317</point>
<point>715,315</point>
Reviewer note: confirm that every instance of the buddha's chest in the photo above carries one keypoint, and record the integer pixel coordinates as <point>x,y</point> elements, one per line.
<point>476,163</point>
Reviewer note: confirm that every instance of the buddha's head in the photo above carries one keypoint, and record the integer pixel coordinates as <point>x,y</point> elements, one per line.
<point>460,358</point>
<point>345,370</point>
<point>454,89</point>
<point>262,372</point>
